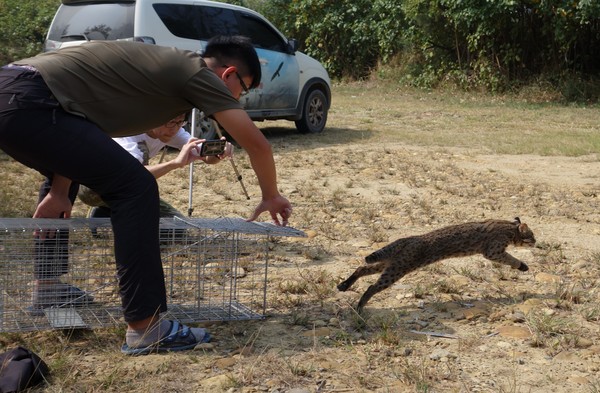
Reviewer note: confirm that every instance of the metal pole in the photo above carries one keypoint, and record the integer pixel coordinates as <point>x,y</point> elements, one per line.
<point>190,196</point>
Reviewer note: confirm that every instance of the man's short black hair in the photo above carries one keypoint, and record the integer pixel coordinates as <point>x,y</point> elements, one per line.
<point>235,50</point>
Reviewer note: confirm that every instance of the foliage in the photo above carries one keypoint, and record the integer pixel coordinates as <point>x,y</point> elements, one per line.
<point>23,27</point>
<point>492,45</point>
<point>495,43</point>
<point>349,37</point>
<point>473,44</point>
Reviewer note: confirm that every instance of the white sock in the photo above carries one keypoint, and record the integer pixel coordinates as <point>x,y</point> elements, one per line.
<point>148,336</point>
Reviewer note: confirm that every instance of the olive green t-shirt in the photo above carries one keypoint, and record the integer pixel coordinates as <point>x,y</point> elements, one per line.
<point>128,87</point>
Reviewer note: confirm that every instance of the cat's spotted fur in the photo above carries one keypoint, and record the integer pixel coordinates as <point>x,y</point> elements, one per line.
<point>489,238</point>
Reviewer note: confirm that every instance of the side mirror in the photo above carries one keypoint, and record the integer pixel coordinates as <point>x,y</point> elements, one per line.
<point>292,45</point>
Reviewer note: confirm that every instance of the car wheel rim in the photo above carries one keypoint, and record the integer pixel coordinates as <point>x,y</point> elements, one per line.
<point>315,112</point>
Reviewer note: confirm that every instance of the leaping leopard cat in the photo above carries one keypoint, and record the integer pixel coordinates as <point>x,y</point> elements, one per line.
<point>489,238</point>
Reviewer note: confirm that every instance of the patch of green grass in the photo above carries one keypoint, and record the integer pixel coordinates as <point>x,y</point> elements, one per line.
<point>499,125</point>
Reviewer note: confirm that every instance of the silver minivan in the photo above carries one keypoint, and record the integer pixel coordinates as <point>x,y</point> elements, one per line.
<point>294,86</point>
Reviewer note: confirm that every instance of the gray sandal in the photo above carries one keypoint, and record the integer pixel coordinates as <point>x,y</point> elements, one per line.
<point>179,338</point>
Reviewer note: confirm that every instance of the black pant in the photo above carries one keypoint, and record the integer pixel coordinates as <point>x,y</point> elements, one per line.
<point>36,131</point>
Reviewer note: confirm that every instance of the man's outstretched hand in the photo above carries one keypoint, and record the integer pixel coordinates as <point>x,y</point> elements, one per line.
<point>279,208</point>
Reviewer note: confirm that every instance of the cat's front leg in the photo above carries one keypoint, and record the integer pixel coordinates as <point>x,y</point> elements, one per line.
<point>344,285</point>
<point>509,260</point>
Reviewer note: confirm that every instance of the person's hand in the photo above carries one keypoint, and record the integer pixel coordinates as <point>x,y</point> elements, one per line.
<point>189,153</point>
<point>52,206</point>
<point>278,207</point>
<point>228,153</point>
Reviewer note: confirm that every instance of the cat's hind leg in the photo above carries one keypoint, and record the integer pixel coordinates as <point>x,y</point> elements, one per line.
<point>361,271</point>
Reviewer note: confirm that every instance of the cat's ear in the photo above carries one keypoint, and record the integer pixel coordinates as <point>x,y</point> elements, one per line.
<point>523,228</point>
<point>517,220</point>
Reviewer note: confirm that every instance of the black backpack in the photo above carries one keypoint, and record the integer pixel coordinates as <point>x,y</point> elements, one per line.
<point>20,369</point>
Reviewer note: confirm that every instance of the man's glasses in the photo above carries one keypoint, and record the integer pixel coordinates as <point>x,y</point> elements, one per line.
<point>176,123</point>
<point>245,88</point>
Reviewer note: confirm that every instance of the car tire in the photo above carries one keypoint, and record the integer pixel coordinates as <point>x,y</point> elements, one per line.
<point>205,127</point>
<point>314,113</point>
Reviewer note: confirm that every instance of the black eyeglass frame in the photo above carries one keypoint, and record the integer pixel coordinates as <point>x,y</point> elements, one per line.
<point>245,88</point>
<point>178,123</point>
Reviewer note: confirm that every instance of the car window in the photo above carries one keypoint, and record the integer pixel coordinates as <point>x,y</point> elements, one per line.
<point>93,22</point>
<point>262,34</point>
<point>203,22</point>
<point>197,23</point>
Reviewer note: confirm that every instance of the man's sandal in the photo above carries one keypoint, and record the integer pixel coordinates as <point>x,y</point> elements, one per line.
<point>179,338</point>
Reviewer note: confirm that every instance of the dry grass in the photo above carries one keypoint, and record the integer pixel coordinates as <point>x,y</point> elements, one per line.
<point>391,163</point>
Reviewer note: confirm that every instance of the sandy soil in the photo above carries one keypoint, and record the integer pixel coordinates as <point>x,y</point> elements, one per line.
<point>462,325</point>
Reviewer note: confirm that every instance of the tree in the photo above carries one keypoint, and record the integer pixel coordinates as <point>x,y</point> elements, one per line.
<point>349,37</point>
<point>23,27</point>
<point>498,43</point>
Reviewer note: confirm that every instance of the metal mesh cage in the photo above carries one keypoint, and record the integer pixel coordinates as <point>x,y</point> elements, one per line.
<point>215,270</point>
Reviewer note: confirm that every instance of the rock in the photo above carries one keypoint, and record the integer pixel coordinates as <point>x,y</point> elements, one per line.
<point>503,345</point>
<point>547,278</point>
<point>318,332</point>
<point>204,347</point>
<point>529,305</point>
<point>514,331</point>
<point>244,351</point>
<point>216,383</point>
<point>363,253</point>
<point>460,280</point>
<point>219,268</point>
<point>580,265</point>
<point>566,356</point>
<point>592,350</point>
<point>498,315</point>
<point>517,317</point>
<point>439,354</point>
<point>319,323</point>
<point>238,272</point>
<point>583,342</point>
<point>473,313</point>
<point>580,380</point>
<point>225,362</point>
<point>310,233</point>
<point>363,244</point>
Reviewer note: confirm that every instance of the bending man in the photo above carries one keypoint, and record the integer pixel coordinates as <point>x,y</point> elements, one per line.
<point>59,111</point>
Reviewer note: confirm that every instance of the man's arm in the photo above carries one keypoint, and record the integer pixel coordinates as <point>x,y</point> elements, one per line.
<point>57,203</point>
<point>239,125</point>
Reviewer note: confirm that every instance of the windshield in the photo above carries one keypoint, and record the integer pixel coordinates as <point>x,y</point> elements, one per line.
<point>92,22</point>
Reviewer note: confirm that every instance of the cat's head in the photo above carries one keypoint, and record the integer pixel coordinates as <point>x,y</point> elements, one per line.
<point>524,237</point>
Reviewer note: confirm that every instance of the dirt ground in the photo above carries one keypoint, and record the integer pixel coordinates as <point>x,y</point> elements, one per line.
<point>462,325</point>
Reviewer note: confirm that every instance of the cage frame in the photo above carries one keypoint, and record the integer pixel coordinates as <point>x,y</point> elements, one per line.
<point>217,251</point>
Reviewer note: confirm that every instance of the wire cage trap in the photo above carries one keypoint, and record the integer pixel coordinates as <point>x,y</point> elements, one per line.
<point>215,270</point>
